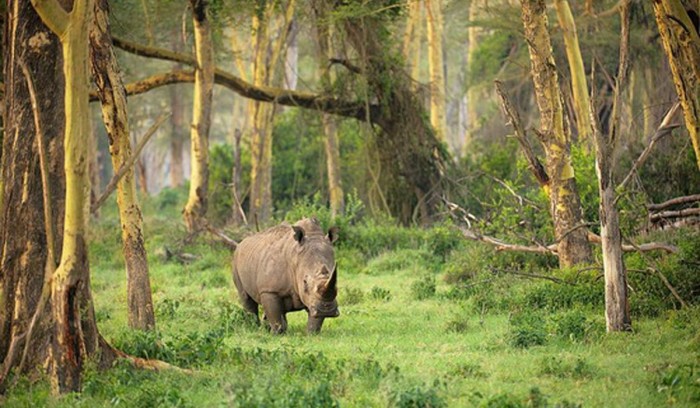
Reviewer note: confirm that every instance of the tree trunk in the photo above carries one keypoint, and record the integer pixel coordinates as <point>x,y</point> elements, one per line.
<point>413,37</point>
<point>436,67</point>
<point>577,71</point>
<point>617,314</point>
<point>330,127</point>
<point>196,208</point>
<point>114,112</point>
<point>681,43</point>
<point>265,72</point>
<point>474,35</point>
<point>555,136</point>
<point>24,251</point>
<point>238,217</point>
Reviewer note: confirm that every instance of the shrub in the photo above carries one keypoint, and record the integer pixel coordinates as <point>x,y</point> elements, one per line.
<point>459,323</point>
<point>423,288</point>
<point>351,296</point>
<point>468,370</point>
<point>527,330</point>
<point>565,368</point>
<point>680,383</point>
<point>417,260</point>
<point>575,325</point>
<point>418,397</point>
<point>380,294</point>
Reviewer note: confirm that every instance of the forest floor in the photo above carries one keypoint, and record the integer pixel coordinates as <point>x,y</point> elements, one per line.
<point>395,343</point>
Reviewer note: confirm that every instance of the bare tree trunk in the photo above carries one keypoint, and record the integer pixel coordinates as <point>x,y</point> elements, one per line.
<point>24,251</point>
<point>177,137</point>
<point>555,136</point>
<point>617,314</point>
<point>114,111</point>
<point>577,71</point>
<point>436,67</point>
<point>238,217</point>
<point>413,37</point>
<point>196,208</point>
<point>330,128</point>
<point>474,34</point>
<point>265,72</point>
<point>681,42</point>
<point>94,167</point>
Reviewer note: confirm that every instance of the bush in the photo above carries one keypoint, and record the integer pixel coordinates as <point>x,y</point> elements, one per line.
<point>680,383</point>
<point>380,294</point>
<point>527,330</point>
<point>418,397</point>
<point>575,325</point>
<point>416,260</point>
<point>423,288</point>
<point>566,368</point>
<point>351,296</point>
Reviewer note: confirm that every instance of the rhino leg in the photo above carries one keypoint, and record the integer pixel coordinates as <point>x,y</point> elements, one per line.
<point>274,310</point>
<point>313,325</point>
<point>247,302</point>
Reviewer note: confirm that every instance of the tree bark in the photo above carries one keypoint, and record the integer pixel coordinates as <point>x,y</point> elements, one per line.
<point>114,112</point>
<point>196,208</point>
<point>24,251</point>
<point>681,43</point>
<point>474,33</point>
<point>330,128</point>
<point>436,67</point>
<point>555,136</point>
<point>576,69</point>
<point>413,37</point>
<point>265,72</point>
<point>617,314</point>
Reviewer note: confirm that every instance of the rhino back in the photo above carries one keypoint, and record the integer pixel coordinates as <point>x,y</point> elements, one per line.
<point>263,262</point>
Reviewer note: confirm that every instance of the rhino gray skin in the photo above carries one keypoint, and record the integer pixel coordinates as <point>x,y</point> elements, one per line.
<point>288,268</point>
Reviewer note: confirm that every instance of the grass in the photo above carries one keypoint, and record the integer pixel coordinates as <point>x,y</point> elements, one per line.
<point>396,343</point>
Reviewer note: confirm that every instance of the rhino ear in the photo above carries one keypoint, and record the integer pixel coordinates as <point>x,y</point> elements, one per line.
<point>333,234</point>
<point>298,233</point>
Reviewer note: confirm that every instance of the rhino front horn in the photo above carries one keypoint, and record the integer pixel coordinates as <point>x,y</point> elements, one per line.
<point>330,290</point>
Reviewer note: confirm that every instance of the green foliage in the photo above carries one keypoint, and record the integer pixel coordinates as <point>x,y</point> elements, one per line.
<point>220,183</point>
<point>491,51</point>
<point>534,399</point>
<point>423,288</point>
<point>564,367</point>
<point>576,325</point>
<point>585,290</point>
<point>416,260</point>
<point>527,330</point>
<point>350,296</point>
<point>680,383</point>
<point>469,370</point>
<point>380,294</point>
<point>459,323</point>
<point>418,397</point>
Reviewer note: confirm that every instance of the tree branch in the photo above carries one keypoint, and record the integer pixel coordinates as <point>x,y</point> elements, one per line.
<point>688,212</point>
<point>126,167</point>
<point>674,201</point>
<point>323,103</point>
<point>514,119</point>
<point>53,15</point>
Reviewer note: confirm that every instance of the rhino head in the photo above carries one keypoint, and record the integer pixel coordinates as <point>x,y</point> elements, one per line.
<point>317,272</point>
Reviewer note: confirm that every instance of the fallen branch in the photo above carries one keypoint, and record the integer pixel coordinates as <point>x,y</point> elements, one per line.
<point>688,212</point>
<point>126,167</point>
<point>220,235</point>
<point>674,201</point>
<point>649,246</point>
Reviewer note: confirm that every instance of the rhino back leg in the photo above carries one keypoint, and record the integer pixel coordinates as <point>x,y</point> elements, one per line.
<point>247,302</point>
<point>275,312</point>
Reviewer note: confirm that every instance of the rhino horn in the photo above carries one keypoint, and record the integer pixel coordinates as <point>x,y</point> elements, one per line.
<point>330,289</point>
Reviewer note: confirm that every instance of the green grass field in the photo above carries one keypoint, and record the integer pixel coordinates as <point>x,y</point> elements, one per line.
<point>400,341</point>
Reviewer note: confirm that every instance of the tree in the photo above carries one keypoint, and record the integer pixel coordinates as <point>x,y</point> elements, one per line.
<point>435,66</point>
<point>267,54</point>
<point>617,313</point>
<point>330,126</point>
<point>24,256</point>
<point>681,42</point>
<point>196,208</point>
<point>555,137</point>
<point>105,70</point>
<point>578,73</point>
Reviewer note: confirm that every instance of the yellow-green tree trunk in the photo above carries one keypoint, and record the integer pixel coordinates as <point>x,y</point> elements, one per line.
<point>682,46</point>
<point>330,127</point>
<point>435,65</point>
<point>579,84</point>
<point>555,136</point>
<point>114,113</point>
<point>196,208</point>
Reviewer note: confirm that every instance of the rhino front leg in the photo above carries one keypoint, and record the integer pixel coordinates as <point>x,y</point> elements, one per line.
<point>313,325</point>
<point>274,310</point>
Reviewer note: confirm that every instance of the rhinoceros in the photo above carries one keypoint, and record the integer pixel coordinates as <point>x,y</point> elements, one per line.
<point>288,268</point>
